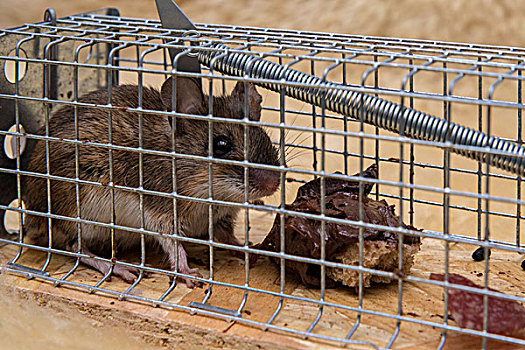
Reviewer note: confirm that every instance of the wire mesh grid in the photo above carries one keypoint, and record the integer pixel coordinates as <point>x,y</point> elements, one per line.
<point>454,199</point>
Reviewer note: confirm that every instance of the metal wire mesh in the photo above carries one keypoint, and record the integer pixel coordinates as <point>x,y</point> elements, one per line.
<point>455,200</point>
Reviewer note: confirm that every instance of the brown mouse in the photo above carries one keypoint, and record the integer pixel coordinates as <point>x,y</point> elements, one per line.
<point>191,138</point>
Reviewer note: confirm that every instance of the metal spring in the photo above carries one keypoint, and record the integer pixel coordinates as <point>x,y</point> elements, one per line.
<point>374,110</point>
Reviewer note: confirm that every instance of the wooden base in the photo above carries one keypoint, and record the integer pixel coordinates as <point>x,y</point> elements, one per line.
<point>158,325</point>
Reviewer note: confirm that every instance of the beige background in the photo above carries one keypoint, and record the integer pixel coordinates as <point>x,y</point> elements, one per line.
<point>479,21</point>
<point>498,22</point>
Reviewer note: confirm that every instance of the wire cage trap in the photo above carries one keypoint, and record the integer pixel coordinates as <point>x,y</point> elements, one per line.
<point>441,121</point>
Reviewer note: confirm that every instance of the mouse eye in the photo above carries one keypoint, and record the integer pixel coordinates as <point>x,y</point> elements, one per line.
<point>222,145</point>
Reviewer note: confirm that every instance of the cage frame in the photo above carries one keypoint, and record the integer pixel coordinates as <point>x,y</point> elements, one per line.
<point>279,40</point>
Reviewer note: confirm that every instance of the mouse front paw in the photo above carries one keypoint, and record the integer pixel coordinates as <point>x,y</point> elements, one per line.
<point>128,274</point>
<point>183,267</point>
<point>190,283</point>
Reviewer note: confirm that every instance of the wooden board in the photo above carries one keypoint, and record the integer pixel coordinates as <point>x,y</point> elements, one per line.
<point>171,327</point>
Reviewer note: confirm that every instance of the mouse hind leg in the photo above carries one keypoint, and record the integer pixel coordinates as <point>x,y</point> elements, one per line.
<point>37,232</point>
<point>96,207</point>
<point>128,274</point>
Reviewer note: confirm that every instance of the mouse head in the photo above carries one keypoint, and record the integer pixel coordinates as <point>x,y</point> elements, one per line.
<point>228,141</point>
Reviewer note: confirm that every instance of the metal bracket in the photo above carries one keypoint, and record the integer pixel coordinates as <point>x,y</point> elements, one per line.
<point>17,268</point>
<point>31,113</point>
<point>217,309</point>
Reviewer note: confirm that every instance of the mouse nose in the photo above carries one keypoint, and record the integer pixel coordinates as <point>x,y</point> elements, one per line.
<point>266,181</point>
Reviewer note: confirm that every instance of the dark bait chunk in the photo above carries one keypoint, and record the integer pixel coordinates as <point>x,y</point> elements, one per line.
<point>303,235</point>
<point>479,254</point>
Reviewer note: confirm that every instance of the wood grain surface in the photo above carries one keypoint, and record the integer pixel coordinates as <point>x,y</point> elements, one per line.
<point>159,326</point>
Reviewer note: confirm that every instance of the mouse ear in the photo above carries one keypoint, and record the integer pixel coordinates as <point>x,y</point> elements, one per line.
<point>254,99</point>
<point>189,95</point>
<point>189,98</point>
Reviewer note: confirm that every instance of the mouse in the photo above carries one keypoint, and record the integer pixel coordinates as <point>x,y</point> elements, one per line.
<point>160,132</point>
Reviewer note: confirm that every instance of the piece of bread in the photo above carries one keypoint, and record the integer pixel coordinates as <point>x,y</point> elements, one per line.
<point>378,255</point>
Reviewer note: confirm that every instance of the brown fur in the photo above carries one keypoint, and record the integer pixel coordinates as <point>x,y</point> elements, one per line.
<point>192,175</point>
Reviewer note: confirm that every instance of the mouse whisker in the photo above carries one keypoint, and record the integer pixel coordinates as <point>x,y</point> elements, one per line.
<point>292,145</point>
<point>294,153</point>
<point>291,124</point>
<point>301,141</point>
